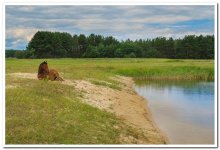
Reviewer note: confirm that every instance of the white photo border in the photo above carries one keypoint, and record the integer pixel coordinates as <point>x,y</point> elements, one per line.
<point>109,145</point>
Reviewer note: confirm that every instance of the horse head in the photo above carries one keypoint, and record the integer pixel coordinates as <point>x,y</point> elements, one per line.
<point>43,70</point>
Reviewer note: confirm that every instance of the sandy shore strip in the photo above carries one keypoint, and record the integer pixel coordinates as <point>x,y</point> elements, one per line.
<point>124,103</point>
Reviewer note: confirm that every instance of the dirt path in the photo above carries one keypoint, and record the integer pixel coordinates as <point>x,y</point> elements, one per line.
<point>125,103</point>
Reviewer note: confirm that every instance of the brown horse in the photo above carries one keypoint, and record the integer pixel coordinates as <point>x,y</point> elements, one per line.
<point>45,73</point>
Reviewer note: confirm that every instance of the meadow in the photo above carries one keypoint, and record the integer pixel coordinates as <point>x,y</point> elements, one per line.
<point>103,68</point>
<point>42,112</point>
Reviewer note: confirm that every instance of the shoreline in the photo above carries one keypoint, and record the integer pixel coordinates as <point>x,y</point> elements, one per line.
<point>125,104</point>
<point>144,104</point>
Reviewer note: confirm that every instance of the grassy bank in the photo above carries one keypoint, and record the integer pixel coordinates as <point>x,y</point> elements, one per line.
<point>49,112</point>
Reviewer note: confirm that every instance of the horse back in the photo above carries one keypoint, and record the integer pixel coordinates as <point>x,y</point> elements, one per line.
<point>54,75</point>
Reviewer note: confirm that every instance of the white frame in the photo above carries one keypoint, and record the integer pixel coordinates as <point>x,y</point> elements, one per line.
<point>107,145</point>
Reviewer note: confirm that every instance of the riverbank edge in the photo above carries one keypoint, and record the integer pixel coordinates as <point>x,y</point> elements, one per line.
<point>125,103</point>
<point>148,113</point>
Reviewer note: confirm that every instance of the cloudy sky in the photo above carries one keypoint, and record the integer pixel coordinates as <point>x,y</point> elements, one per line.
<point>122,22</point>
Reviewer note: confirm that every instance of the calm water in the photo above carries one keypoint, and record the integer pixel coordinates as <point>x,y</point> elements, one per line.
<point>184,111</point>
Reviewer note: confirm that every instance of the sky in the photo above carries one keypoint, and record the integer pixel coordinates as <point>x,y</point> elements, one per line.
<point>120,21</point>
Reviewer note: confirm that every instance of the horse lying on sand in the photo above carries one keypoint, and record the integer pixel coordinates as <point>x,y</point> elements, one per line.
<point>45,73</point>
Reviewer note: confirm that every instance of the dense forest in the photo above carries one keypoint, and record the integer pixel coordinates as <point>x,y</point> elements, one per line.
<point>45,44</point>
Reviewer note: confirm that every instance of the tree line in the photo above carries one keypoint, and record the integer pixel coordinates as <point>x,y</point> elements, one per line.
<point>45,44</point>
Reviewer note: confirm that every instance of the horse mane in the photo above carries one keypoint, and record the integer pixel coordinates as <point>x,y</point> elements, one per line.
<point>40,70</point>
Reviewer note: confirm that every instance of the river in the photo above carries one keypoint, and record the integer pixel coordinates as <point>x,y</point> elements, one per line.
<point>184,111</point>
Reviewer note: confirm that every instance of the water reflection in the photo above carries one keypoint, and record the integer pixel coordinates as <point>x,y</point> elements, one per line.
<point>183,110</point>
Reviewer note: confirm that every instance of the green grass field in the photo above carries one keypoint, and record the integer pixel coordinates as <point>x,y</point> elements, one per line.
<point>103,68</point>
<point>41,112</point>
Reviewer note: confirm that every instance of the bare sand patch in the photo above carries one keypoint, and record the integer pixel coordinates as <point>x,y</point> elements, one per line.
<point>24,75</point>
<point>92,94</point>
<point>20,75</point>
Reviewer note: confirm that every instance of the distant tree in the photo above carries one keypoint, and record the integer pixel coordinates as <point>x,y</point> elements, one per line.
<point>110,40</point>
<point>10,53</point>
<point>118,53</point>
<point>152,53</point>
<point>131,55</point>
<point>91,52</point>
<point>75,52</point>
<point>169,48</point>
<point>57,45</point>
<point>67,42</point>
<point>160,45</point>
<point>19,54</point>
<point>102,50</point>
<point>82,40</point>
<point>29,53</point>
<point>41,43</point>
<point>45,44</point>
<point>110,50</point>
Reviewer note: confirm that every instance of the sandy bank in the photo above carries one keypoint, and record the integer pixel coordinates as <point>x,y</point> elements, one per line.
<point>125,103</point>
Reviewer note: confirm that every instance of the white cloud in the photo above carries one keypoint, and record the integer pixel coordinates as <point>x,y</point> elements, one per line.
<point>20,33</point>
<point>123,22</point>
